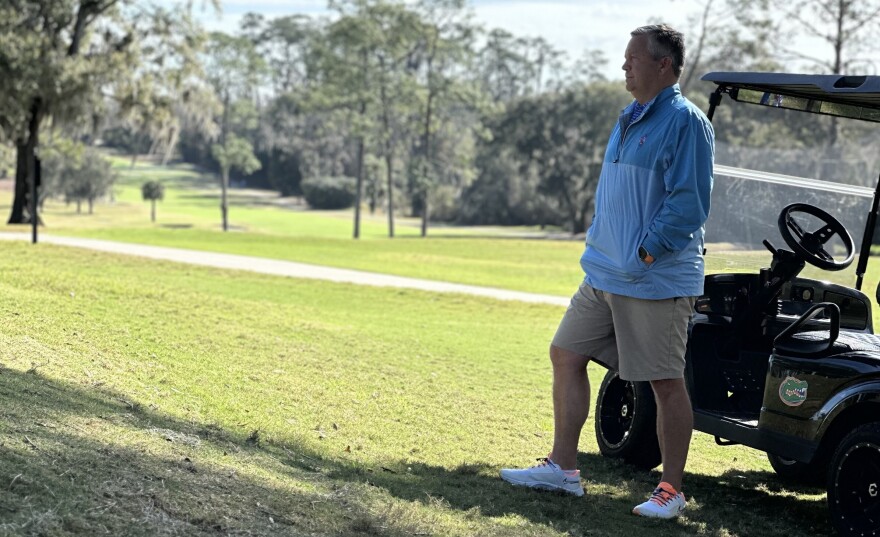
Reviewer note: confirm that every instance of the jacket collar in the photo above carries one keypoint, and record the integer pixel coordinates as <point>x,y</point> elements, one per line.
<point>665,94</point>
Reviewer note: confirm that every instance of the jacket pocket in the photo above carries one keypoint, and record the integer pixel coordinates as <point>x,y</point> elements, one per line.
<point>638,262</point>
<point>605,249</point>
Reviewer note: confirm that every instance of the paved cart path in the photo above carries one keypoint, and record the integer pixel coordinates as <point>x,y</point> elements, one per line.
<point>287,268</point>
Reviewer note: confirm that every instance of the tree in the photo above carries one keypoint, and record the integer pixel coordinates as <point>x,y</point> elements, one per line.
<point>588,68</point>
<point>553,141</point>
<point>503,193</point>
<point>6,162</point>
<point>44,73</point>
<point>346,76</point>
<point>847,27</point>
<point>153,191</point>
<point>94,180</point>
<point>384,36</point>
<point>446,48</point>
<point>76,173</point>
<point>167,88</point>
<point>306,139</point>
<point>286,140</point>
<point>725,35</point>
<point>287,45</point>
<point>504,67</point>
<point>56,60</point>
<point>233,153</point>
<point>234,69</point>
<point>366,62</point>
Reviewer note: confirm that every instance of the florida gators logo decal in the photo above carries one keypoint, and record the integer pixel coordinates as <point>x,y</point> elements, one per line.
<point>793,392</point>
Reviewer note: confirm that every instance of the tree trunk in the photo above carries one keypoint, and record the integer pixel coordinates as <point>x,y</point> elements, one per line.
<point>224,168</point>
<point>360,157</point>
<point>25,167</point>
<point>696,52</point>
<point>78,206</point>
<point>91,206</point>
<point>224,186</point>
<point>389,150</point>
<point>426,164</point>
<point>153,211</point>
<point>425,213</point>
<point>572,212</point>
<point>359,187</point>
<point>426,140</point>
<point>389,162</point>
<point>134,158</point>
<point>21,185</point>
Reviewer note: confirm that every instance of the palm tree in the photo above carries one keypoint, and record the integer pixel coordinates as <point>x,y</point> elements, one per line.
<point>152,191</point>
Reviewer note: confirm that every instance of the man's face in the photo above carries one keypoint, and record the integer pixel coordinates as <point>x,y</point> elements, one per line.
<point>641,69</point>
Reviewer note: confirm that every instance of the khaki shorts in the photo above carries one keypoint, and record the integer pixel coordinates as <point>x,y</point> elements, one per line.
<point>641,339</point>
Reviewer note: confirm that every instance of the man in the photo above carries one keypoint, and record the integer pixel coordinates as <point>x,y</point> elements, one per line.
<point>644,269</point>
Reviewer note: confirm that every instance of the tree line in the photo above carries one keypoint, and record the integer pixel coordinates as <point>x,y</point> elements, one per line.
<point>406,107</point>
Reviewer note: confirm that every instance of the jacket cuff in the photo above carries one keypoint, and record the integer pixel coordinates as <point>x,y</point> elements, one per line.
<point>653,246</point>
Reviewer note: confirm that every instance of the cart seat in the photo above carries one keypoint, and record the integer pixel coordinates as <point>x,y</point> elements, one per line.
<point>817,344</point>
<point>820,343</point>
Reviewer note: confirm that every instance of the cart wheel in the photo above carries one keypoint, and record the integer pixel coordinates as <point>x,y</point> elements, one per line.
<point>854,483</point>
<point>626,422</point>
<point>812,473</point>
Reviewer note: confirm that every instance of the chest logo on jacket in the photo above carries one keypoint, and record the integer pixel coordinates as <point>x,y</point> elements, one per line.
<point>642,140</point>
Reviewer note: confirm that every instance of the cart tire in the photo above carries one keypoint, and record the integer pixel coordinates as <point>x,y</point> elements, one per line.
<point>854,483</point>
<point>626,422</point>
<point>812,473</point>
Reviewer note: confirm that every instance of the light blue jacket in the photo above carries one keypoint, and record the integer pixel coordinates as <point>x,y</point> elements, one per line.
<point>653,191</point>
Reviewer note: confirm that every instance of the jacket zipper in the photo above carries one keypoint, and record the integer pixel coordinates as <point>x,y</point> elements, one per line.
<point>623,136</point>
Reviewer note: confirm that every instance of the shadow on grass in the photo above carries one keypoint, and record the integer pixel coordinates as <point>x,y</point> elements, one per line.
<point>250,199</point>
<point>157,476</point>
<point>737,503</point>
<point>174,477</point>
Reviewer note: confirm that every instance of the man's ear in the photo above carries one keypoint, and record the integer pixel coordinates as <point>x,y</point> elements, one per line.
<point>665,63</point>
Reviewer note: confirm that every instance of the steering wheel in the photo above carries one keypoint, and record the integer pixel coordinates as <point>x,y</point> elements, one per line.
<point>811,246</point>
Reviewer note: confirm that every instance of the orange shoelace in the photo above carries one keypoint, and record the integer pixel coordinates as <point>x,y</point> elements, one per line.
<point>661,496</point>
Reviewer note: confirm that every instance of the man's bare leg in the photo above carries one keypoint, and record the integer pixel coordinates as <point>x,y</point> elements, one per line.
<point>675,424</point>
<point>571,404</point>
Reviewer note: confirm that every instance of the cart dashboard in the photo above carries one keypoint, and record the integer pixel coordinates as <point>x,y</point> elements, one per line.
<point>729,296</point>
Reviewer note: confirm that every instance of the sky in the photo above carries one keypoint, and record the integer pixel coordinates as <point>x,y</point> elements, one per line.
<point>573,26</point>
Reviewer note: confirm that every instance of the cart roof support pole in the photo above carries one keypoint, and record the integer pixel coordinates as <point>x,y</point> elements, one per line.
<point>867,238</point>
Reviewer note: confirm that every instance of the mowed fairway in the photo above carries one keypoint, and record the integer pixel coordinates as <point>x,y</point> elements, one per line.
<point>149,398</point>
<point>264,225</point>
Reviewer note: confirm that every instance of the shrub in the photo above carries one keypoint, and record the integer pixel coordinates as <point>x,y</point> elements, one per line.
<point>444,203</point>
<point>329,192</point>
<point>76,173</point>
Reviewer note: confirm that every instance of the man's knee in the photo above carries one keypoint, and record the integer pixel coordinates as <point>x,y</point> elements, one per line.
<point>566,359</point>
<point>668,388</point>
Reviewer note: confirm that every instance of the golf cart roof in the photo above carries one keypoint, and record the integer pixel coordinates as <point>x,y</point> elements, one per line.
<point>856,97</point>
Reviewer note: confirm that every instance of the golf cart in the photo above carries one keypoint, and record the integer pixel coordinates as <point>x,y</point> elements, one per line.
<point>785,364</point>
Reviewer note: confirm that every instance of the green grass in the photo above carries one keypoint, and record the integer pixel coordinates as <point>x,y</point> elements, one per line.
<point>267,226</point>
<point>145,398</point>
<point>148,398</point>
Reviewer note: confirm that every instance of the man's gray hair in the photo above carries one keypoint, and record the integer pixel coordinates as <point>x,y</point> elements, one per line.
<point>664,41</point>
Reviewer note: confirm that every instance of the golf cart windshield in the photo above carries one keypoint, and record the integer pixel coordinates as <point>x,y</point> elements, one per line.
<point>853,97</point>
<point>818,145</point>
